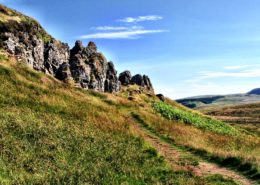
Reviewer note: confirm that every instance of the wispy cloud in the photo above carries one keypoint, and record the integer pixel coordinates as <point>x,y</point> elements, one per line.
<point>235,72</point>
<point>240,74</point>
<point>132,34</point>
<point>140,19</point>
<point>237,67</point>
<point>109,28</point>
<point>116,28</point>
<point>126,30</point>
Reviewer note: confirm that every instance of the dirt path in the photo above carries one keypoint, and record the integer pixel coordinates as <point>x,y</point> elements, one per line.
<point>172,156</point>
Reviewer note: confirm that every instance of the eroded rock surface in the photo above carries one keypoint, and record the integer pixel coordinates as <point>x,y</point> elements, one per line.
<point>143,81</point>
<point>125,77</point>
<point>86,67</point>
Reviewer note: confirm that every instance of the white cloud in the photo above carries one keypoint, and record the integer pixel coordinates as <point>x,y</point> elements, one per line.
<point>131,34</point>
<point>140,19</point>
<point>116,28</point>
<point>110,28</point>
<point>237,67</point>
<point>251,73</point>
<point>124,31</point>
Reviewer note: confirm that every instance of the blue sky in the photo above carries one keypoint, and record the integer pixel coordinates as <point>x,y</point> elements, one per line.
<point>187,47</point>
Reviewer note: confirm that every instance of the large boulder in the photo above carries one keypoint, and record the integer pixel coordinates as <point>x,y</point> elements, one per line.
<point>80,71</point>
<point>77,49</point>
<point>90,69</point>
<point>125,77</point>
<point>111,84</point>
<point>55,54</point>
<point>29,49</point>
<point>161,97</point>
<point>148,83</point>
<point>138,80</point>
<point>143,81</point>
<point>63,73</point>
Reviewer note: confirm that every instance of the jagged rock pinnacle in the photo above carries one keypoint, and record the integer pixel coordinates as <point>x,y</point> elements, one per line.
<point>85,66</point>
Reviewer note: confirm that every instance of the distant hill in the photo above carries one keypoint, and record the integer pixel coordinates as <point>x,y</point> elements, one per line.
<point>207,101</point>
<point>255,91</point>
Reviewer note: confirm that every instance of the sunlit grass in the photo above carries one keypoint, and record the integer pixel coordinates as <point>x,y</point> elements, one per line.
<point>197,120</point>
<point>55,134</point>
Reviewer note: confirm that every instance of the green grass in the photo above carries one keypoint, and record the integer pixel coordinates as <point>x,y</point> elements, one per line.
<point>219,180</point>
<point>2,57</point>
<point>191,155</point>
<point>193,118</point>
<point>51,133</point>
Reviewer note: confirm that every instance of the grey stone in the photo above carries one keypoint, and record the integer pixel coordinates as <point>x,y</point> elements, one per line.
<point>125,77</point>
<point>55,54</point>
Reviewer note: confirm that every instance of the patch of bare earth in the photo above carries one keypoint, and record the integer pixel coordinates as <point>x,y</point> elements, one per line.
<point>172,156</point>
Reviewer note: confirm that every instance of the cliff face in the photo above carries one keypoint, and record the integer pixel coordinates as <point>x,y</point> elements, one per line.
<point>84,66</point>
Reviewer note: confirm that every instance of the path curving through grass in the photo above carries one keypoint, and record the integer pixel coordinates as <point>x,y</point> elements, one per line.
<point>173,155</point>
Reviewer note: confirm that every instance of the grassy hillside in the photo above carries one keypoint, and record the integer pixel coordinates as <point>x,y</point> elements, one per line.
<point>205,102</point>
<point>52,133</point>
<point>55,134</point>
<point>240,151</point>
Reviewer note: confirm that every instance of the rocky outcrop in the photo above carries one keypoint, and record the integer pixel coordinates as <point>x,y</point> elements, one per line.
<point>90,69</point>
<point>141,80</point>
<point>112,83</point>
<point>55,54</point>
<point>161,97</point>
<point>26,48</point>
<point>125,77</point>
<point>63,73</point>
<point>148,83</point>
<point>84,66</point>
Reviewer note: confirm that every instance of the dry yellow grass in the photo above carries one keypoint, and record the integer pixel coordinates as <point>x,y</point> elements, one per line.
<point>56,122</point>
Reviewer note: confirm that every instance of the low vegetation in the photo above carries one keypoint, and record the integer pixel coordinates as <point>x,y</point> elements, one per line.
<point>193,118</point>
<point>240,152</point>
<point>52,133</point>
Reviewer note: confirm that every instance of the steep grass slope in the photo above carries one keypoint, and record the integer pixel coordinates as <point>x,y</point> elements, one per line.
<point>51,133</point>
<point>238,151</point>
<point>55,134</point>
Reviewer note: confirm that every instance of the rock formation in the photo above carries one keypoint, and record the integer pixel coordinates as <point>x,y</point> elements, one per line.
<point>125,77</point>
<point>161,97</point>
<point>84,66</point>
<point>90,69</point>
<point>142,80</point>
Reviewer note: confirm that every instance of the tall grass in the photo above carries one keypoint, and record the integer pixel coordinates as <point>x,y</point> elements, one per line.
<point>51,133</point>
